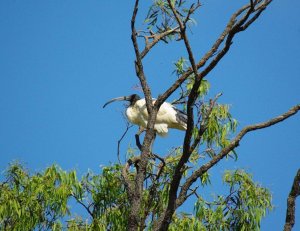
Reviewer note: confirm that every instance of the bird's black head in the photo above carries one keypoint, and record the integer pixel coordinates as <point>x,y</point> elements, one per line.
<point>133,98</point>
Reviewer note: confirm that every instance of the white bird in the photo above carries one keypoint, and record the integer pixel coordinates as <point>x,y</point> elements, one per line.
<point>167,117</point>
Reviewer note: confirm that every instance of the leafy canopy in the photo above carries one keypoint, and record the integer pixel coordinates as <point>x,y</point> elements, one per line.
<point>42,201</point>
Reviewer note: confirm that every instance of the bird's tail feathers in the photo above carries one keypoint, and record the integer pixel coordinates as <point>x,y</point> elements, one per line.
<point>181,117</point>
<point>161,129</point>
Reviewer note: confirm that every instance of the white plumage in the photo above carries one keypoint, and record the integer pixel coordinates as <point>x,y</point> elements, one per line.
<point>167,117</point>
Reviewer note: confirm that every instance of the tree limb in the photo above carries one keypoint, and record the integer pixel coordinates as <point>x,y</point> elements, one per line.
<point>136,189</point>
<point>156,39</point>
<point>204,123</point>
<point>86,207</point>
<point>172,195</point>
<point>233,144</point>
<point>291,203</point>
<point>128,126</point>
<point>241,25</point>
<point>229,29</point>
<point>138,63</point>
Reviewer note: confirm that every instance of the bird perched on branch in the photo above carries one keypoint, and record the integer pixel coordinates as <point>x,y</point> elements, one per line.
<point>168,116</point>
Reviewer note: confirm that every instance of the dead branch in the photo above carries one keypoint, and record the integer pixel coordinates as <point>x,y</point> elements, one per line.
<point>136,189</point>
<point>192,9</point>
<point>161,225</point>
<point>241,25</point>
<point>155,39</point>
<point>231,28</point>
<point>291,203</point>
<point>87,208</point>
<point>128,126</point>
<point>138,62</point>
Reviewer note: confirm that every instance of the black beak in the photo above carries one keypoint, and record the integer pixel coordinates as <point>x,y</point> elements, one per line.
<point>122,98</point>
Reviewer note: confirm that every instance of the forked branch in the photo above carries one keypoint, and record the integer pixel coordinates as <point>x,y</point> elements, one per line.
<point>138,62</point>
<point>235,25</point>
<point>135,188</point>
<point>155,39</point>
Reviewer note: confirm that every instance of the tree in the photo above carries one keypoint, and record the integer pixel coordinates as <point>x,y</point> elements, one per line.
<point>146,191</point>
<point>40,201</point>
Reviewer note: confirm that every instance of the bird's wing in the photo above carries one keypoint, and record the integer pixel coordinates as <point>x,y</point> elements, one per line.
<point>170,114</point>
<point>167,114</point>
<point>181,116</point>
<point>141,107</point>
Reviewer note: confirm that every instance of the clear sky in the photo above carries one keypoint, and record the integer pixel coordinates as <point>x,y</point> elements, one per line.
<point>60,61</point>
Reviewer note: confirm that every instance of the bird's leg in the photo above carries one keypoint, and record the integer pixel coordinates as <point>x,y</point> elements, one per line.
<point>140,131</point>
<point>152,142</point>
<point>137,142</point>
<point>137,137</point>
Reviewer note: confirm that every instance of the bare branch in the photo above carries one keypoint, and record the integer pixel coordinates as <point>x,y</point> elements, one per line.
<point>192,9</point>
<point>193,192</point>
<point>161,167</point>
<point>233,144</point>
<point>241,25</point>
<point>182,26</point>
<point>291,203</point>
<point>190,124</point>
<point>128,126</point>
<point>136,189</point>
<point>204,122</point>
<point>194,92</point>
<point>138,62</point>
<point>156,38</point>
<point>259,10</point>
<point>229,29</point>
<point>87,208</point>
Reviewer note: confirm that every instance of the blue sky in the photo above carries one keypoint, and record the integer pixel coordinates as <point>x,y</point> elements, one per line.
<point>60,61</point>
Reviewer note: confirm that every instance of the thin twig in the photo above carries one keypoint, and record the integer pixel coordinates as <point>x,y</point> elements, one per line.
<point>155,39</point>
<point>80,202</point>
<point>128,126</point>
<point>204,123</point>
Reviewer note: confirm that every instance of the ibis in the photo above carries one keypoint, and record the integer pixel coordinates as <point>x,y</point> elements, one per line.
<point>168,116</point>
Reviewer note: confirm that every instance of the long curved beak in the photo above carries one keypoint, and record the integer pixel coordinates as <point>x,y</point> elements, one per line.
<point>122,98</point>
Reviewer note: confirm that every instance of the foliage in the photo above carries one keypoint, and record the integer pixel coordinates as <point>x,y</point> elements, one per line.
<point>37,201</point>
<point>220,124</point>
<point>43,201</point>
<point>160,17</point>
<point>241,209</point>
